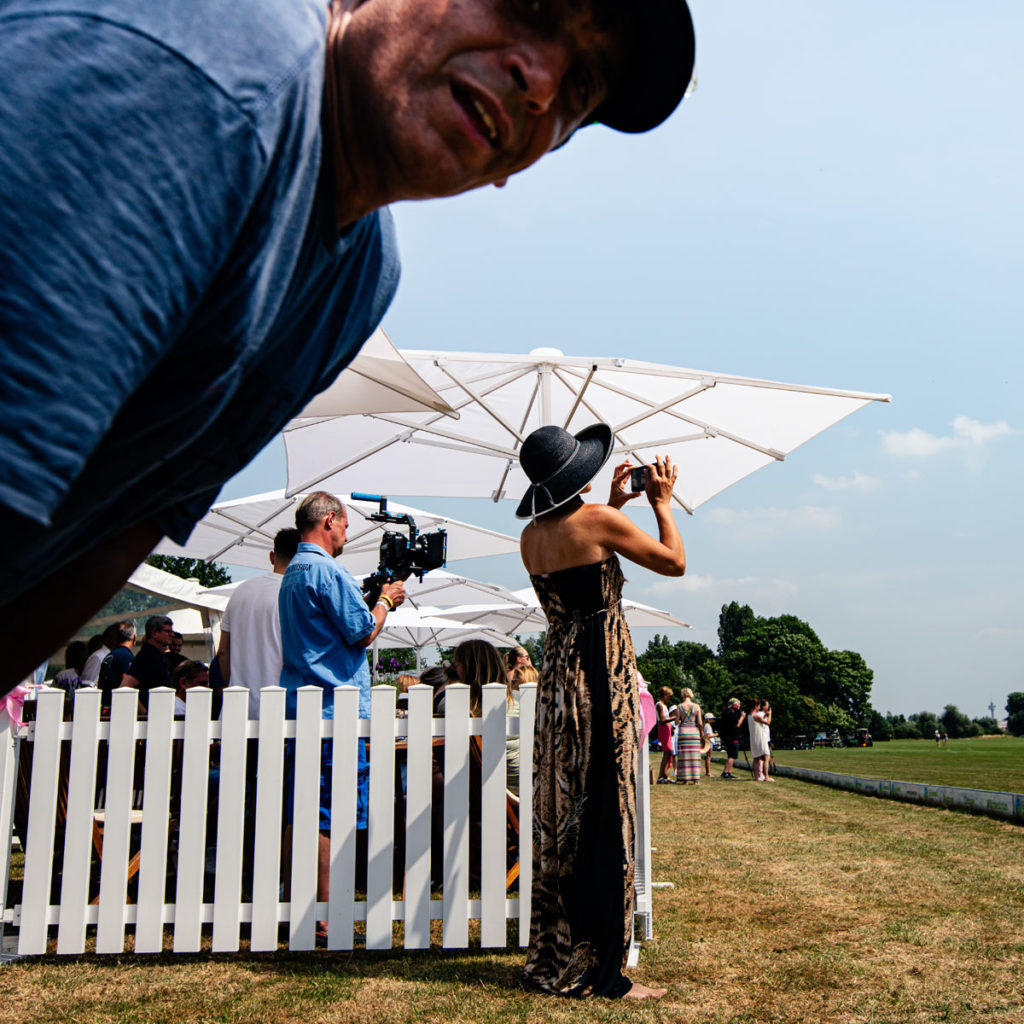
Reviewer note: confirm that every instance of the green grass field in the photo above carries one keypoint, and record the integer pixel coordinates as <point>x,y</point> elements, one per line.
<point>791,904</point>
<point>987,762</point>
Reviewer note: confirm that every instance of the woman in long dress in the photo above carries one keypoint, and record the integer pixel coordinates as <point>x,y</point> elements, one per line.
<point>587,726</point>
<point>759,721</point>
<point>690,728</point>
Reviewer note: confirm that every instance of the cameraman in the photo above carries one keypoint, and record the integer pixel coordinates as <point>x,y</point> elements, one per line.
<point>325,630</point>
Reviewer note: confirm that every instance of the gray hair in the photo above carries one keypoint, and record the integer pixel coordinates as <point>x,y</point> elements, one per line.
<point>314,509</point>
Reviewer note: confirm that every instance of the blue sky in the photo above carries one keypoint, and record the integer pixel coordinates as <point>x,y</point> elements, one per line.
<point>838,204</point>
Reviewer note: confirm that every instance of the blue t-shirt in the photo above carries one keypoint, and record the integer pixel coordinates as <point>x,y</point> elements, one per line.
<point>323,618</point>
<point>173,287</point>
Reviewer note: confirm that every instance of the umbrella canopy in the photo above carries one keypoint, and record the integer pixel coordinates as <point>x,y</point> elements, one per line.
<point>241,532</point>
<point>716,428</point>
<point>377,380</point>
<point>419,628</point>
<point>527,615</point>
<point>445,589</point>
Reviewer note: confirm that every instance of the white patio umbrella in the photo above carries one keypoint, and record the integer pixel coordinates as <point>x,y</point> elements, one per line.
<point>241,532</point>
<point>716,428</point>
<point>377,380</point>
<point>528,615</point>
<point>444,589</point>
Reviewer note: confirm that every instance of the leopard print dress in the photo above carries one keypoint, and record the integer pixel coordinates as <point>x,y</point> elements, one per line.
<point>584,786</point>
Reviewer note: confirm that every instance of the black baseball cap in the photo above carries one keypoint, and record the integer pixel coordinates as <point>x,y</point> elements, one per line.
<point>659,49</point>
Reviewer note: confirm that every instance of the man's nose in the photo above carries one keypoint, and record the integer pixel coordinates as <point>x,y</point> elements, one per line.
<point>537,72</point>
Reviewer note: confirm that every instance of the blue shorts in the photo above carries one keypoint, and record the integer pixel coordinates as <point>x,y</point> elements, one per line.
<point>326,766</point>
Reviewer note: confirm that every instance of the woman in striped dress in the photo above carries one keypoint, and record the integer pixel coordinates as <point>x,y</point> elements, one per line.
<point>690,729</point>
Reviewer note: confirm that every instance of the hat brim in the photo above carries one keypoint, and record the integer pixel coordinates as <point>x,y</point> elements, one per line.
<point>594,451</point>
<point>659,51</point>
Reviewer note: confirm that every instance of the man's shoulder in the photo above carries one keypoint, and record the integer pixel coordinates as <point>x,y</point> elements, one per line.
<point>257,588</point>
<point>238,47</point>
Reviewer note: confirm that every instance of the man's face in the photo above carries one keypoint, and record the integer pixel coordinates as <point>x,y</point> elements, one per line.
<point>162,637</point>
<point>467,92</point>
<point>175,644</point>
<point>337,524</point>
<point>522,658</point>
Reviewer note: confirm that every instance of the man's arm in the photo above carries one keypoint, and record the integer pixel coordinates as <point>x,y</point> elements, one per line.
<point>224,656</point>
<point>390,592</point>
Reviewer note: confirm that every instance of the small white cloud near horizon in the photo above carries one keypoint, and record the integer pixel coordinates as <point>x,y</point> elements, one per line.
<point>855,482</point>
<point>969,436</point>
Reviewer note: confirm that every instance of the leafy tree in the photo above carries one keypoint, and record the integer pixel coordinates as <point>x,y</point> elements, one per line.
<point>901,728</point>
<point>837,719</point>
<point>878,725</point>
<point>1015,713</point>
<point>534,646</point>
<point>847,683</point>
<point>209,574</point>
<point>956,724</point>
<point>733,621</point>
<point>926,724</point>
<point>988,726</point>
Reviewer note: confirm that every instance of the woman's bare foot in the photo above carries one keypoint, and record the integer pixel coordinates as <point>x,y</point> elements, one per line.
<point>638,991</point>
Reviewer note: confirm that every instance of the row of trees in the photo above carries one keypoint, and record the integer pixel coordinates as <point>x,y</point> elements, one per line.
<point>812,689</point>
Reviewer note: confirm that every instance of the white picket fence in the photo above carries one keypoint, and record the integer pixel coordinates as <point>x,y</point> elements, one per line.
<point>137,821</point>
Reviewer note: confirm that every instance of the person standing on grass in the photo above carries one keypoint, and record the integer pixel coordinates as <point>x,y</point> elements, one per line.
<point>729,731</point>
<point>709,730</point>
<point>588,708</point>
<point>759,721</point>
<point>690,727</point>
<point>664,734</point>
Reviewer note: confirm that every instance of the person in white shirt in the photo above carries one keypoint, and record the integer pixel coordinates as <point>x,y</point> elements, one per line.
<point>250,633</point>
<point>91,672</point>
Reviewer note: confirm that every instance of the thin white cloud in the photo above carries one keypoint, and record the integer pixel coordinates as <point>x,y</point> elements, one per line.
<point>969,435</point>
<point>855,482</point>
<point>756,524</point>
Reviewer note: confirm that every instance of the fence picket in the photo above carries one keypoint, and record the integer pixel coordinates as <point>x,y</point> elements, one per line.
<point>341,884</point>
<point>41,822</point>
<point>493,816</point>
<point>455,931</point>
<point>305,823</point>
<point>381,819</point>
<point>8,786</point>
<point>419,772</point>
<point>195,782</point>
<point>266,869</point>
<point>156,811</point>
<point>74,892</point>
<point>527,718</point>
<point>230,819</point>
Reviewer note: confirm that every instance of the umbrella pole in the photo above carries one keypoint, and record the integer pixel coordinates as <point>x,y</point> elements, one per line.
<point>373,663</point>
<point>418,660</point>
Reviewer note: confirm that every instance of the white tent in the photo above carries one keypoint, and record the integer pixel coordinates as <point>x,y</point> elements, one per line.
<point>196,611</point>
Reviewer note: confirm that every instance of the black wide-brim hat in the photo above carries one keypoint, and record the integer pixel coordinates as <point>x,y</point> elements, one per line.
<point>658,54</point>
<point>560,465</point>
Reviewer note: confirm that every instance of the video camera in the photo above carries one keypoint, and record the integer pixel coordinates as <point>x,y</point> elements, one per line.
<point>402,557</point>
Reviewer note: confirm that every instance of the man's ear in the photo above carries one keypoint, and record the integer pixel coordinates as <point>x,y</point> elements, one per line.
<point>273,560</point>
<point>502,183</point>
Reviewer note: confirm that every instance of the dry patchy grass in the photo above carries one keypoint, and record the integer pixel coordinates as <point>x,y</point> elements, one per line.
<point>791,903</point>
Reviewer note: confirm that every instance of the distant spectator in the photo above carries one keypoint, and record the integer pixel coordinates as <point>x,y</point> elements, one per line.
<point>690,726</point>
<point>521,676</point>
<point>709,731</point>
<point>107,642</point>
<point>729,733</point>
<point>185,676</point>
<point>403,682</point>
<point>174,656</point>
<point>149,667</point>
<point>517,657</point>
<point>117,661</point>
<point>70,678</point>
<point>664,733</point>
<point>759,723</point>
<point>249,652</point>
<point>437,678</point>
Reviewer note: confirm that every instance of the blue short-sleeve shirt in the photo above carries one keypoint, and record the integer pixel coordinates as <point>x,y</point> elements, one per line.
<point>173,283</point>
<point>323,618</point>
